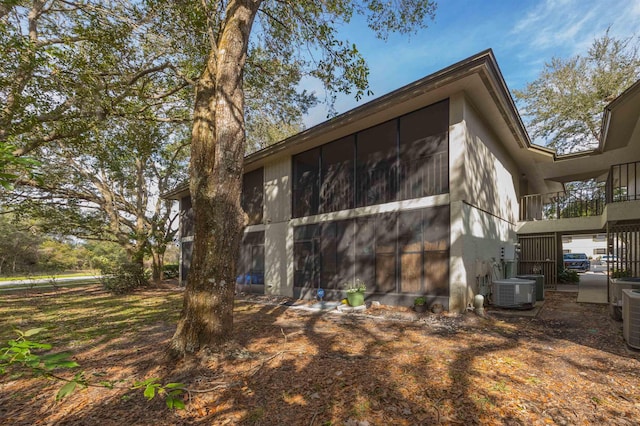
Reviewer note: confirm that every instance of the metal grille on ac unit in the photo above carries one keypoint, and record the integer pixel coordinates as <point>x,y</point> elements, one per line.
<point>514,293</point>
<point>631,317</point>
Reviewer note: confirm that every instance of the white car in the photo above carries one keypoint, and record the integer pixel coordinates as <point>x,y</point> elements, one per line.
<point>609,258</point>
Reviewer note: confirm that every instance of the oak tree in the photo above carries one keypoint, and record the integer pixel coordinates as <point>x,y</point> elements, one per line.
<point>92,92</point>
<point>284,39</point>
<point>564,105</point>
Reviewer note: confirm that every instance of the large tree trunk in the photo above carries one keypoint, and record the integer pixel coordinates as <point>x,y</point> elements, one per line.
<point>157,266</point>
<point>217,153</point>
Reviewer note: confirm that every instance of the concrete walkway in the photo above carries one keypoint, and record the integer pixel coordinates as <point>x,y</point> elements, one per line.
<point>592,288</point>
<point>48,282</point>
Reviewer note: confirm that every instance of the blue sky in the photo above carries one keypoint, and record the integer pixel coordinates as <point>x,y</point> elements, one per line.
<point>523,34</point>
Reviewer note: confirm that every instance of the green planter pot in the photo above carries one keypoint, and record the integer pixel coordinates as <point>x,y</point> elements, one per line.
<point>420,308</point>
<point>355,299</point>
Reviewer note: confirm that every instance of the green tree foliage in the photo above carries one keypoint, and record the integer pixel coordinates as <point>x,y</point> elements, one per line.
<point>11,166</point>
<point>26,249</point>
<point>89,90</point>
<point>55,255</point>
<point>18,246</point>
<point>66,66</point>
<point>100,92</point>
<point>108,189</point>
<point>564,105</point>
<point>104,254</point>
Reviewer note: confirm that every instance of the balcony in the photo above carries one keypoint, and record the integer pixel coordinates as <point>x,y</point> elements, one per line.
<point>623,184</point>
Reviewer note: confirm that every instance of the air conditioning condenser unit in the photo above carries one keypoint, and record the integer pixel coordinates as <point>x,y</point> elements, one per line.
<point>514,293</point>
<point>631,317</point>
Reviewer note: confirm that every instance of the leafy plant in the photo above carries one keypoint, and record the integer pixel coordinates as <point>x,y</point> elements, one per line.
<point>355,287</point>
<point>620,273</point>
<point>171,270</point>
<point>124,278</point>
<point>420,301</point>
<point>568,276</point>
<point>22,354</point>
<point>172,392</point>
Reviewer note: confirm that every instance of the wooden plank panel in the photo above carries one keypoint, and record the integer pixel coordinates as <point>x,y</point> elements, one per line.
<point>624,242</point>
<point>538,253</point>
<point>411,272</point>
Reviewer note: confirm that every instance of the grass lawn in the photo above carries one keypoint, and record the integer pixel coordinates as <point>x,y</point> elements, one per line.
<point>295,366</point>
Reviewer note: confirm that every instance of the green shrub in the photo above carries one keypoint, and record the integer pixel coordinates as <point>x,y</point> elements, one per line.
<point>171,270</point>
<point>620,273</point>
<point>124,278</point>
<point>568,276</point>
<point>419,301</point>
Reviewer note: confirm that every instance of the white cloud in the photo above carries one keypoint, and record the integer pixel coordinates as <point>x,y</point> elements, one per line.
<point>567,27</point>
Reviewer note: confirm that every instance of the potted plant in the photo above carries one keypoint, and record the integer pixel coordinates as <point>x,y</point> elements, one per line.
<point>355,293</point>
<point>420,304</point>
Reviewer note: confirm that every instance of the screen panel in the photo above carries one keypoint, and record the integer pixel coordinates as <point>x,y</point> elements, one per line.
<point>337,187</point>
<point>306,185</point>
<point>376,170</point>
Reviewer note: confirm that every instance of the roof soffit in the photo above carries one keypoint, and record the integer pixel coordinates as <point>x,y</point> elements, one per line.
<point>621,120</point>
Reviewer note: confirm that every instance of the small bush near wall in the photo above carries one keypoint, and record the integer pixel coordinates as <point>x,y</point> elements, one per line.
<point>621,273</point>
<point>568,276</point>
<point>171,270</point>
<point>124,278</point>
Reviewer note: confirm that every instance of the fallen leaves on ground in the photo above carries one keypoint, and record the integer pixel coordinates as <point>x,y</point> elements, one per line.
<point>296,366</point>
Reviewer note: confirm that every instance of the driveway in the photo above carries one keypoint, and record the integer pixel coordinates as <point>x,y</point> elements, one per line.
<point>13,284</point>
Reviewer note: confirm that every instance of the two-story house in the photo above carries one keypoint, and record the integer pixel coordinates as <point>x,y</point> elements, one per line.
<point>423,191</point>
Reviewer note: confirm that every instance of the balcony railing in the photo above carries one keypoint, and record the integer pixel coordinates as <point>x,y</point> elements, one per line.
<point>623,184</point>
<point>563,204</point>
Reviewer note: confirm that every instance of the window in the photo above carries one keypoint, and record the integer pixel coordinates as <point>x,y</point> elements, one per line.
<point>336,253</point>
<point>411,251</point>
<point>386,239</point>
<point>599,237</point>
<point>253,195</point>
<point>365,257</point>
<point>306,175</point>
<point>599,251</point>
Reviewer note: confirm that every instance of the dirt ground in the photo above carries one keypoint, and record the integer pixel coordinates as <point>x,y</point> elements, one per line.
<point>568,365</point>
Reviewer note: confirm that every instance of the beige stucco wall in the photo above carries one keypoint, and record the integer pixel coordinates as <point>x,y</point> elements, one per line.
<point>484,201</point>
<point>278,249</point>
<point>491,175</point>
<point>277,190</point>
<point>277,259</point>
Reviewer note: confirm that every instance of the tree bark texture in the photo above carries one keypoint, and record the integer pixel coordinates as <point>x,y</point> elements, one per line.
<point>217,154</point>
